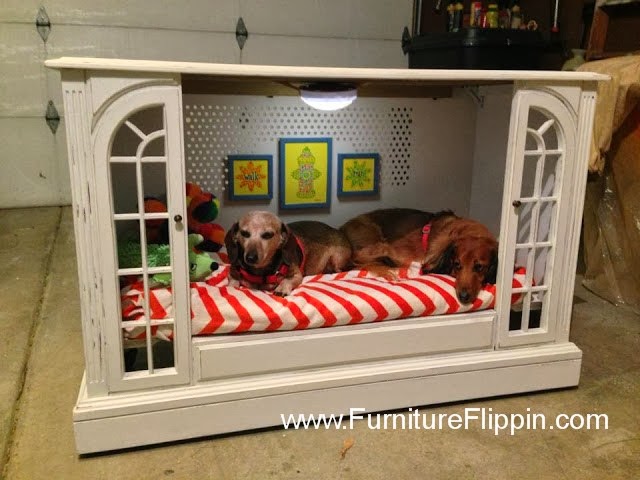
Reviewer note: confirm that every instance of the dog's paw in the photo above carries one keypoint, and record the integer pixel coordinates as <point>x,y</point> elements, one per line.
<point>282,291</point>
<point>379,271</point>
<point>391,275</point>
<point>286,287</point>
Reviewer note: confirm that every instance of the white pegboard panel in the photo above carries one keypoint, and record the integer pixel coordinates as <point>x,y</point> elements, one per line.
<point>215,130</point>
<point>221,125</point>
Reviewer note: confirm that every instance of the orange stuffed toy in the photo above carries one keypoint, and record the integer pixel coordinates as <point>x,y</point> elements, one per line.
<point>157,231</point>
<point>202,210</point>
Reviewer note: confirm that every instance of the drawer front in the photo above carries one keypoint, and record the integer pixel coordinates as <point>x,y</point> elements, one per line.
<point>234,356</point>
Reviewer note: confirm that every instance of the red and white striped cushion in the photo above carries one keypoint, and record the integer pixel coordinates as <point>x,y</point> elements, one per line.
<point>321,301</point>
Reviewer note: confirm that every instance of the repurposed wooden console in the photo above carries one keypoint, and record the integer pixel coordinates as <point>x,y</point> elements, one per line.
<point>508,148</point>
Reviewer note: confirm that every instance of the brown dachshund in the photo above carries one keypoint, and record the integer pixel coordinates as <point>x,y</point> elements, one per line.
<point>442,242</point>
<point>266,254</point>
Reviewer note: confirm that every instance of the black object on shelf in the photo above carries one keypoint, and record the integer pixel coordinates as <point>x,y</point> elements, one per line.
<point>477,48</point>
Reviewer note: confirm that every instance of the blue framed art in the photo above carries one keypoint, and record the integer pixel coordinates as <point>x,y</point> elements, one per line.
<point>358,174</point>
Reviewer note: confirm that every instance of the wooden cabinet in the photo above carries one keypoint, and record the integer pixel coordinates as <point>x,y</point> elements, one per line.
<point>508,148</point>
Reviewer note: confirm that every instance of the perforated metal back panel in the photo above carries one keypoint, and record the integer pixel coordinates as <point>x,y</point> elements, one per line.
<point>425,147</point>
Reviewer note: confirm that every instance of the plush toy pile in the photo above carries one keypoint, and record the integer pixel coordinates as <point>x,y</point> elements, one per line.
<point>204,236</point>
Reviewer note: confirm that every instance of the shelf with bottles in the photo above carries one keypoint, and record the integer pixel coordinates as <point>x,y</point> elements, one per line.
<point>491,15</point>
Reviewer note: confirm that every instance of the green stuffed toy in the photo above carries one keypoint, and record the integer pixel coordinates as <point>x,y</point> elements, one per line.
<point>200,263</point>
<point>130,255</point>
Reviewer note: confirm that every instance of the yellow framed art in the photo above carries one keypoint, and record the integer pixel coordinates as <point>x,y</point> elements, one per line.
<point>358,174</point>
<point>305,173</point>
<point>250,177</point>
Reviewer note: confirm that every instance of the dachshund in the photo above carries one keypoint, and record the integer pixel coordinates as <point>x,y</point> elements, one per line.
<point>266,254</point>
<point>441,242</point>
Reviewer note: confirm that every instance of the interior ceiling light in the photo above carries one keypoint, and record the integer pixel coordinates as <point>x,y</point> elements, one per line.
<point>328,96</point>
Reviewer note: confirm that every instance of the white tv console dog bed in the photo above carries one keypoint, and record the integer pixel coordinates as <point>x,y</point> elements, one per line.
<point>508,148</point>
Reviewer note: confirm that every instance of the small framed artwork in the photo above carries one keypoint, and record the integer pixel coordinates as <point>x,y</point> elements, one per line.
<point>358,174</point>
<point>305,173</point>
<point>250,177</point>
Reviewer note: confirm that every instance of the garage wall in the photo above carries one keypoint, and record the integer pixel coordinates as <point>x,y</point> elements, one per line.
<point>33,164</point>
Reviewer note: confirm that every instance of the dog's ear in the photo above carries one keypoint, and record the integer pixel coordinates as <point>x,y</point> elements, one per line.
<point>492,270</point>
<point>285,234</point>
<point>289,246</point>
<point>231,244</point>
<point>445,261</point>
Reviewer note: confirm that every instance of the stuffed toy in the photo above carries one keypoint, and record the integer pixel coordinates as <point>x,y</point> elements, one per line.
<point>157,229</point>
<point>200,264</point>
<point>202,210</point>
<point>130,255</point>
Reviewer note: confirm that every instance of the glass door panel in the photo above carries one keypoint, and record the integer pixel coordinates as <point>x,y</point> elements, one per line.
<point>145,192</point>
<point>542,145</point>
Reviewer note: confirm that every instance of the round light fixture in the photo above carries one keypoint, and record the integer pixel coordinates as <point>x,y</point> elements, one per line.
<point>328,96</point>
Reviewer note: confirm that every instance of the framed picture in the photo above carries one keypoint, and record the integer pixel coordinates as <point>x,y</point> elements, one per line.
<point>358,174</point>
<point>250,177</point>
<point>305,173</point>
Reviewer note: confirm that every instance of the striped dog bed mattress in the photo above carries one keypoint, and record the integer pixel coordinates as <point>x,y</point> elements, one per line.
<point>327,300</point>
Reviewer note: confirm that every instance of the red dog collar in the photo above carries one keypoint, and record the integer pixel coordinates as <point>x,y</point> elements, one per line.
<point>426,230</point>
<point>277,276</point>
<point>274,278</point>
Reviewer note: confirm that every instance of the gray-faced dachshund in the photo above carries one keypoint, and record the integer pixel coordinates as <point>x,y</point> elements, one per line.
<point>266,254</point>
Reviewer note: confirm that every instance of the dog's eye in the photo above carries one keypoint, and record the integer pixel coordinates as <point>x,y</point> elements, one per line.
<point>478,268</point>
<point>267,235</point>
<point>245,234</point>
<point>456,266</point>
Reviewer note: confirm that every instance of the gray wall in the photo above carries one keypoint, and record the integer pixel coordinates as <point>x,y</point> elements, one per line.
<point>33,164</point>
<point>490,152</point>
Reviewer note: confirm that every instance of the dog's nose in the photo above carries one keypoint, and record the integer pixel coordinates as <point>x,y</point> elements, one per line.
<point>464,296</point>
<point>251,257</point>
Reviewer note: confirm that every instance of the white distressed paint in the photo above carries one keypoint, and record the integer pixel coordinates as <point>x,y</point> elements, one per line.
<point>462,356</point>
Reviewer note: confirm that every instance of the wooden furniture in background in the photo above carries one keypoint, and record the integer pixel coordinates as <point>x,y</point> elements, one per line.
<point>615,29</point>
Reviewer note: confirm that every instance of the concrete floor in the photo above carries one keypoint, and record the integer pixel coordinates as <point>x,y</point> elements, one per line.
<point>43,362</point>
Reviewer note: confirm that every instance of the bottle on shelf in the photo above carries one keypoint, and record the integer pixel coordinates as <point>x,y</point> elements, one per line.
<point>458,14</point>
<point>483,18</point>
<point>492,15</point>
<point>504,14</point>
<point>475,14</point>
<point>451,8</point>
<point>516,15</point>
